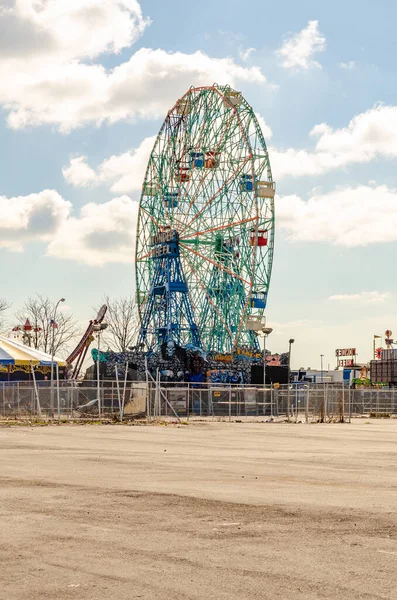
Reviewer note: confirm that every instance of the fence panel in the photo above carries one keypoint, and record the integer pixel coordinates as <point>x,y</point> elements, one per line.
<point>297,402</point>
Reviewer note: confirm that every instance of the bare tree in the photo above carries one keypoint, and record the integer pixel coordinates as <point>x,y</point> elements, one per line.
<point>4,305</point>
<point>40,312</point>
<point>122,318</point>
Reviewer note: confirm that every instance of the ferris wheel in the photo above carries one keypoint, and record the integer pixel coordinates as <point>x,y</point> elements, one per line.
<point>205,232</point>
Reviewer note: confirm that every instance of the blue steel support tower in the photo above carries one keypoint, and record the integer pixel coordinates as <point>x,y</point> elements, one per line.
<point>168,313</point>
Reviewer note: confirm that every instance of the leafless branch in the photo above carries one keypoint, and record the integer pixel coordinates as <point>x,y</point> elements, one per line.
<point>4,305</point>
<point>122,318</point>
<point>40,311</point>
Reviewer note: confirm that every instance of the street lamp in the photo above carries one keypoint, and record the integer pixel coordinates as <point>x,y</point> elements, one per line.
<point>290,342</point>
<point>266,331</point>
<point>322,370</point>
<point>98,329</point>
<point>53,323</point>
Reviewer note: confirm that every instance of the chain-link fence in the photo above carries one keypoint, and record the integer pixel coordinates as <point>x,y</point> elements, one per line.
<point>300,403</point>
<point>70,400</point>
<point>121,400</point>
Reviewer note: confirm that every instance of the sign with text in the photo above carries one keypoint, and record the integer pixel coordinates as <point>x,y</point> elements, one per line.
<point>345,362</point>
<point>345,357</point>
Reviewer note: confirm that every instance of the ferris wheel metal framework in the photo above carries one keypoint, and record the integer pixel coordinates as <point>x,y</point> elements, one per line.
<point>205,232</point>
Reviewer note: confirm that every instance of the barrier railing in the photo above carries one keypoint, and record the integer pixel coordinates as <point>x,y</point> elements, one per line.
<point>122,400</point>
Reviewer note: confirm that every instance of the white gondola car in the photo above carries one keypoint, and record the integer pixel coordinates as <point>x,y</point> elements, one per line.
<point>183,107</point>
<point>233,97</point>
<point>150,188</point>
<point>255,323</point>
<point>265,189</point>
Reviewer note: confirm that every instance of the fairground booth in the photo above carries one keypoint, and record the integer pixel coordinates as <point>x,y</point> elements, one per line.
<point>21,363</point>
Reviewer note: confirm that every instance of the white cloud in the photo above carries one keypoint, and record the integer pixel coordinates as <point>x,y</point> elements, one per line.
<point>245,53</point>
<point>124,172</point>
<point>348,66</point>
<point>101,234</point>
<point>348,217</point>
<point>363,297</point>
<point>43,46</point>
<point>368,135</point>
<point>34,32</point>
<point>298,48</point>
<point>36,217</point>
<point>145,86</point>
<point>78,173</point>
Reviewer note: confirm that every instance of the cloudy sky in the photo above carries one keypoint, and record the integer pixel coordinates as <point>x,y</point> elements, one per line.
<point>84,88</point>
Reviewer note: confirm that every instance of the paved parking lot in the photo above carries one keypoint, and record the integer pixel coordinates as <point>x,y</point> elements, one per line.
<point>206,511</point>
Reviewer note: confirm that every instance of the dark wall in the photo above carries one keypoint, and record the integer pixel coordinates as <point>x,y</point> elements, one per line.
<point>273,375</point>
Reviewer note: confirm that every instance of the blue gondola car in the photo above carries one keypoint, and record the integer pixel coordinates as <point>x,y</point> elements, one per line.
<point>258,299</point>
<point>171,199</point>
<point>197,160</point>
<point>247,182</point>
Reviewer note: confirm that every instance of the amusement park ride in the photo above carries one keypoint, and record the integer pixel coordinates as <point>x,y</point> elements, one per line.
<point>205,232</point>
<point>76,359</point>
<point>204,244</point>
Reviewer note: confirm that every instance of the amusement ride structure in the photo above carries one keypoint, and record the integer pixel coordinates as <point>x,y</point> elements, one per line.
<point>205,232</point>
<point>76,358</point>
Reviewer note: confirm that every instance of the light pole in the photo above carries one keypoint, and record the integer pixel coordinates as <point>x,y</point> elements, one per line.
<point>290,342</point>
<point>53,324</point>
<point>99,328</point>
<point>323,406</point>
<point>266,331</point>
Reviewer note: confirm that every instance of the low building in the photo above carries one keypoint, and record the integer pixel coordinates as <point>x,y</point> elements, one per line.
<point>384,370</point>
<point>335,376</point>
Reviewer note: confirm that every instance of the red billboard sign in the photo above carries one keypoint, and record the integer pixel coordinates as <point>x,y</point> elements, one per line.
<point>346,352</point>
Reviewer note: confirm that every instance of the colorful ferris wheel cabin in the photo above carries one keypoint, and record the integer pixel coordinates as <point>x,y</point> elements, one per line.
<point>171,199</point>
<point>261,239</point>
<point>211,159</point>
<point>197,160</point>
<point>182,174</point>
<point>247,182</point>
<point>233,97</point>
<point>265,189</point>
<point>150,188</point>
<point>258,300</point>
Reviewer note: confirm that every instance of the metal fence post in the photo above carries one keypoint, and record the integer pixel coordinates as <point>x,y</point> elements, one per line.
<point>350,406</point>
<point>307,404</point>
<point>343,403</point>
<point>288,401</point>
